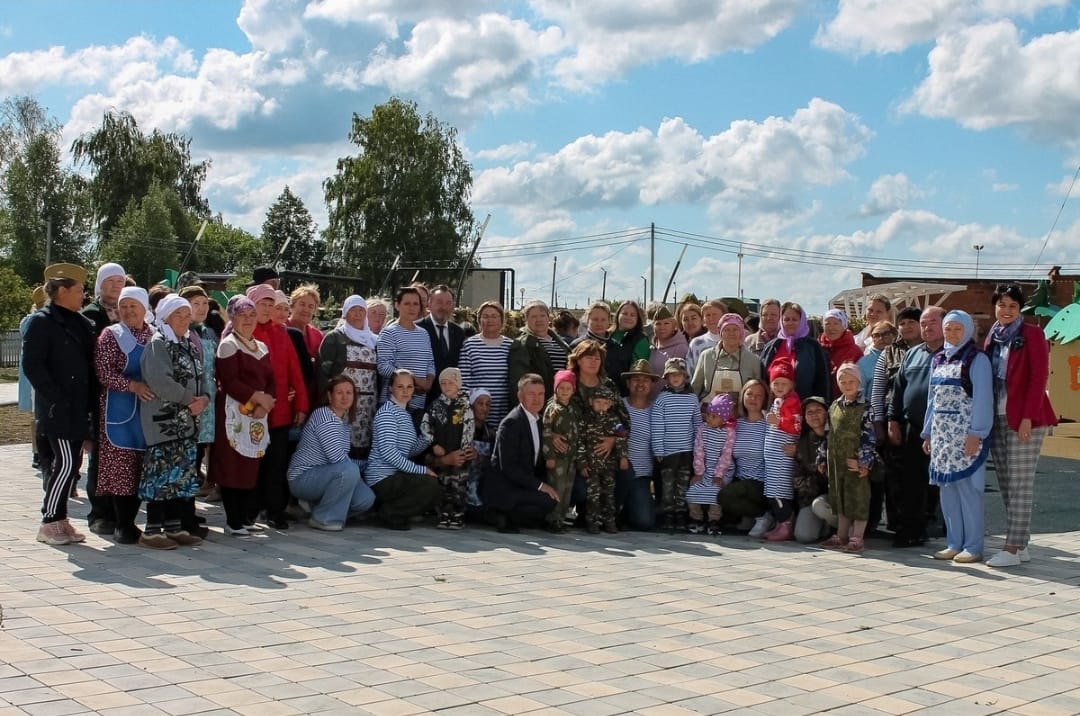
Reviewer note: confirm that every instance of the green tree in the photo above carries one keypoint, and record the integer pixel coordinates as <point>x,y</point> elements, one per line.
<point>144,241</point>
<point>289,222</point>
<point>126,163</point>
<point>227,249</point>
<point>406,192</point>
<point>14,298</point>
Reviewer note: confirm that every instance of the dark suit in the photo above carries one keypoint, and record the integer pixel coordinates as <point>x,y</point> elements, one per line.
<point>513,485</point>
<point>445,356</point>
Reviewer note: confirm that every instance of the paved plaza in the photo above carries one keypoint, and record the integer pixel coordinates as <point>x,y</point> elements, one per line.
<point>474,622</point>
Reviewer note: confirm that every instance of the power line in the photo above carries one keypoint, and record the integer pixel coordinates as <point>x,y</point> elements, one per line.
<point>1054,225</point>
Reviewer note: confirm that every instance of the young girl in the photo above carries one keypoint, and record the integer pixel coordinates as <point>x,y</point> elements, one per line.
<point>560,418</point>
<point>848,456</point>
<point>449,425</point>
<point>713,464</point>
<point>598,423</point>
<point>674,420</point>
<point>784,421</point>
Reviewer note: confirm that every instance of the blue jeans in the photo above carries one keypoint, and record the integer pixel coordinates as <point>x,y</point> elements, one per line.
<point>336,491</point>
<point>634,499</point>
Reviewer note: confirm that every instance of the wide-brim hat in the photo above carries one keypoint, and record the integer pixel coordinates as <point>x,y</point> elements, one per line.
<point>640,367</point>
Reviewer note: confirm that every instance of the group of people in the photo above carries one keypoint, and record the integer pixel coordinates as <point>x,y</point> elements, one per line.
<point>687,420</point>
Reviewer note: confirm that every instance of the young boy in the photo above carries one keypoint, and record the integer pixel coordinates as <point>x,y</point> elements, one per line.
<point>449,425</point>
<point>561,419</point>
<point>601,422</point>
<point>674,422</point>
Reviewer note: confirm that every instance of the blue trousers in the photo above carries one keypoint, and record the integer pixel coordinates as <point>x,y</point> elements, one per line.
<point>962,508</point>
<point>336,491</point>
<point>634,499</point>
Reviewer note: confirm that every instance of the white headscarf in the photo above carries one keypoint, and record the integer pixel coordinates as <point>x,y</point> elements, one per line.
<point>104,272</point>
<point>137,294</point>
<point>165,308</point>
<point>363,336</point>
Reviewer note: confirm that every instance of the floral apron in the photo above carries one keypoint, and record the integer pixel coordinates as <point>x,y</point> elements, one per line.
<point>949,429</point>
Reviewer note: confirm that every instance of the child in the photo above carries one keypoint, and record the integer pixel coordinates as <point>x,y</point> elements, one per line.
<point>483,442</point>
<point>675,418</point>
<point>561,419</point>
<point>598,423</point>
<point>784,421</point>
<point>713,465</point>
<point>848,457</point>
<point>449,426</point>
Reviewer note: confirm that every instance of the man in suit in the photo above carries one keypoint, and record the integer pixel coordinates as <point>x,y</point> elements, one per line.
<point>446,336</point>
<point>514,489</point>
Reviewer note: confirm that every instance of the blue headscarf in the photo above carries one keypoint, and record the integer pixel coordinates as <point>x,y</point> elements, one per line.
<point>966,321</point>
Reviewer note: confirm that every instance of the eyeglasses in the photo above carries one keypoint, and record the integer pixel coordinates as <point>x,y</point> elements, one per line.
<point>887,334</point>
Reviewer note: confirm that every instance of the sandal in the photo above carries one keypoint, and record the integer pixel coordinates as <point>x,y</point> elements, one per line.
<point>854,545</point>
<point>833,542</point>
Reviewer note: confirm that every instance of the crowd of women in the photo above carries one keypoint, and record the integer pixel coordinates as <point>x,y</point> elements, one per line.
<point>696,420</point>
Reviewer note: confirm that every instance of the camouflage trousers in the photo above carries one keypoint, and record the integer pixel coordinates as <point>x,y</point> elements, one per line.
<point>561,477</point>
<point>675,470</point>
<point>455,493</point>
<point>600,493</point>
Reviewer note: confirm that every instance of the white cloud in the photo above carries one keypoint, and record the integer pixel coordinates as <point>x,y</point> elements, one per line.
<point>986,76</point>
<point>750,167</point>
<point>998,187</point>
<point>1066,187</point>
<point>488,60</point>
<point>272,25</point>
<point>609,37</point>
<point>884,26</point>
<point>888,193</point>
<point>387,15</point>
<point>513,150</point>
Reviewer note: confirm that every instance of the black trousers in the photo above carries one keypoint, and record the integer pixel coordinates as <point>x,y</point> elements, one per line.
<point>272,487</point>
<point>406,494</point>
<point>238,505</point>
<point>66,461</point>
<point>910,485</point>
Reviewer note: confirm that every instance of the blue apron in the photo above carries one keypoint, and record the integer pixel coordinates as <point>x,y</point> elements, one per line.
<point>122,425</point>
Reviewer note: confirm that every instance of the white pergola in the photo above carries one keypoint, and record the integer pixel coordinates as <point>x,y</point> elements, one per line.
<point>901,293</point>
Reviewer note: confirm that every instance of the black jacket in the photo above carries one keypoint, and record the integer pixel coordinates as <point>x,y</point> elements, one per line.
<point>444,357</point>
<point>58,360</point>
<point>514,463</point>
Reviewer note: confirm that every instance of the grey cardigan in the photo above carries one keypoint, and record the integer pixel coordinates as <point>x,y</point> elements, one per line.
<point>174,374</point>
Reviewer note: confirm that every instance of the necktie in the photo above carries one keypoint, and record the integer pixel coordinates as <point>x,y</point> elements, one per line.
<point>442,336</point>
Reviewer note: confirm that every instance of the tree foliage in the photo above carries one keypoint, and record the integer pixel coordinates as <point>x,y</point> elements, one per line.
<point>406,192</point>
<point>227,249</point>
<point>14,298</point>
<point>144,241</point>
<point>126,163</point>
<point>289,224</point>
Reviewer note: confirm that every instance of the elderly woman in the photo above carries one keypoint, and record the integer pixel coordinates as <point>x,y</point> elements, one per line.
<point>303,305</point>
<point>321,471</point>
<point>795,342</point>
<point>688,317</point>
<point>172,367</point>
<point>246,378</point>
<point>727,366</point>
<point>959,418</point>
<point>484,359</point>
<point>483,443</point>
<point>667,342</point>
<point>628,342</point>
<point>404,488</point>
<point>811,484</point>
<point>378,310</point>
<point>305,359</point>
<point>839,345</point>
<point>1019,356</point>
<point>743,499</point>
<point>121,444</point>
<point>208,338</point>
<point>537,349</point>
<point>349,350</point>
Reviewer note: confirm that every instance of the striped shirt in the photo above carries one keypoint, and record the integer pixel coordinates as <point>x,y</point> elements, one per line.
<point>394,441</point>
<point>325,441</point>
<point>555,352</point>
<point>400,347</point>
<point>484,365</point>
<point>639,444</point>
<point>749,450</point>
<point>675,419</point>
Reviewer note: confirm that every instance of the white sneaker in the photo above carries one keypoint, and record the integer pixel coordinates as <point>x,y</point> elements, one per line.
<point>1025,556</point>
<point>762,525</point>
<point>1004,558</point>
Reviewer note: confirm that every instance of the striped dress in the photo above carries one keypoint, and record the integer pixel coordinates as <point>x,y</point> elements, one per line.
<point>410,348</point>
<point>779,468</point>
<point>483,364</point>
<point>706,491</point>
<point>639,445</point>
<point>394,442</point>
<point>749,450</point>
<point>325,441</point>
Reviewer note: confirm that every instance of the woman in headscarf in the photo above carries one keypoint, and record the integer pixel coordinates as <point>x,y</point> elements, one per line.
<point>172,368</point>
<point>795,342</point>
<point>728,365</point>
<point>208,339</point>
<point>246,396</point>
<point>121,443</point>
<point>839,346</point>
<point>1020,357</point>
<point>349,350</point>
<point>959,418</point>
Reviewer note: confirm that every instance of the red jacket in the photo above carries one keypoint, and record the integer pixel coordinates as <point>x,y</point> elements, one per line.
<point>842,350</point>
<point>1025,380</point>
<point>287,375</point>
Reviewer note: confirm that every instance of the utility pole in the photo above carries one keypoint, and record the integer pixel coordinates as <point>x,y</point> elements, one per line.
<point>740,255</point>
<point>554,265</point>
<point>48,241</point>
<point>652,259</point>
<point>978,252</point>
<point>603,287</point>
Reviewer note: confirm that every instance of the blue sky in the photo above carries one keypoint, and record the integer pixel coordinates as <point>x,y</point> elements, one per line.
<point>810,132</point>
